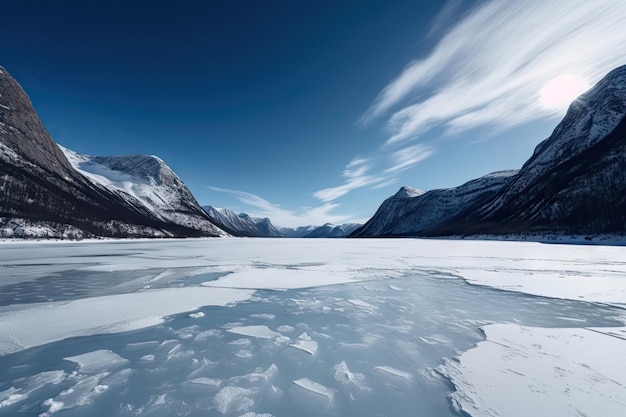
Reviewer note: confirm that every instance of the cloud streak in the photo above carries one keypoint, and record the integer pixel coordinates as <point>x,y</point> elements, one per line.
<point>488,69</point>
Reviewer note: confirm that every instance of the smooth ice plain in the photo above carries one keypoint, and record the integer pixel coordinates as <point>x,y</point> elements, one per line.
<point>283,327</point>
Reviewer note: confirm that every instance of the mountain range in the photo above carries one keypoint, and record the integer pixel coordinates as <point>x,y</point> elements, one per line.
<point>243,225</point>
<point>573,184</point>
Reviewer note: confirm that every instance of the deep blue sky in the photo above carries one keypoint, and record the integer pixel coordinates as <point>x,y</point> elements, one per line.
<point>307,111</point>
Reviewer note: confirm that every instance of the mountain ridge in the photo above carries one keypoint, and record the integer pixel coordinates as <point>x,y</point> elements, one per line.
<point>573,183</point>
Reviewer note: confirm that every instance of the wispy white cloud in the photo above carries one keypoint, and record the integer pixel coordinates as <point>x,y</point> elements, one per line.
<point>356,175</point>
<point>260,207</point>
<point>358,172</point>
<point>406,158</point>
<point>488,69</point>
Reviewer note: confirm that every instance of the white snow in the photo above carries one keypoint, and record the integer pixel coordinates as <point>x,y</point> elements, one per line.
<point>233,399</point>
<point>305,343</point>
<point>564,370</point>
<point>261,332</point>
<point>279,279</point>
<point>38,324</point>
<point>98,361</point>
<point>528,371</point>
<point>393,371</point>
<point>315,387</point>
<point>343,375</point>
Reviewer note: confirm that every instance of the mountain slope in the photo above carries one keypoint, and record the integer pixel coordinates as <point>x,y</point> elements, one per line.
<point>296,232</point>
<point>42,195</point>
<point>575,182</point>
<point>411,211</point>
<point>148,181</point>
<point>241,225</point>
<point>330,230</point>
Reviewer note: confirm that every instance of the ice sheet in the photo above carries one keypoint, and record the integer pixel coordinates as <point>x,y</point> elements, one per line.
<point>262,332</point>
<point>43,323</point>
<point>98,361</point>
<point>529,371</point>
<point>305,343</point>
<point>315,387</point>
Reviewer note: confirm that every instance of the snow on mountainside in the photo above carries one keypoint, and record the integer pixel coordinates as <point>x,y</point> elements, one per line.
<point>575,182</point>
<point>242,224</point>
<point>148,180</point>
<point>42,195</point>
<point>589,119</point>
<point>411,211</point>
<point>330,230</point>
<point>296,232</point>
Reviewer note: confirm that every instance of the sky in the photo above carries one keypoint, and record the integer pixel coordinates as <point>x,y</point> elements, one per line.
<point>309,112</point>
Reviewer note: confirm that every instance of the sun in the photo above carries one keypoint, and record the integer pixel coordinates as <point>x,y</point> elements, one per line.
<point>559,92</point>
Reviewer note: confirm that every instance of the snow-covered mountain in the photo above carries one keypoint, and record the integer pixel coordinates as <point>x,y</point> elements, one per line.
<point>43,195</point>
<point>331,230</point>
<point>296,232</point>
<point>574,183</point>
<point>241,224</point>
<point>411,211</point>
<point>145,180</point>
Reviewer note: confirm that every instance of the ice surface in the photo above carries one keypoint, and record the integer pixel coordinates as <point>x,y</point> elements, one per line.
<point>305,343</point>
<point>233,399</point>
<point>344,376</point>
<point>393,371</point>
<point>315,387</point>
<point>98,361</point>
<point>524,371</point>
<point>361,303</point>
<point>48,322</point>
<point>378,346</point>
<point>262,332</point>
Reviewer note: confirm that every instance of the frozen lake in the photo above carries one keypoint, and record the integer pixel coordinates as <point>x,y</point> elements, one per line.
<point>262,327</point>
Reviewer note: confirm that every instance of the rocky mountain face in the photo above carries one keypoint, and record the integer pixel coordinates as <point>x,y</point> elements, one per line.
<point>242,224</point>
<point>412,212</point>
<point>43,195</point>
<point>574,183</point>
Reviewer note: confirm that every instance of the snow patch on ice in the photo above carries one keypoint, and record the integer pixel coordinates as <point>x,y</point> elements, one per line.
<point>261,332</point>
<point>43,323</point>
<point>344,376</point>
<point>98,361</point>
<point>393,371</point>
<point>305,343</point>
<point>232,399</point>
<point>315,387</point>
<point>522,371</point>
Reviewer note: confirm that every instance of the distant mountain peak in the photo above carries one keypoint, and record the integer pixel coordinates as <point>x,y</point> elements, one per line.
<point>242,224</point>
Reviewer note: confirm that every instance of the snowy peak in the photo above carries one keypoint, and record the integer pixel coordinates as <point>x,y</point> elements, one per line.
<point>44,195</point>
<point>408,192</point>
<point>575,180</point>
<point>330,230</point>
<point>241,224</point>
<point>145,180</point>
<point>574,183</point>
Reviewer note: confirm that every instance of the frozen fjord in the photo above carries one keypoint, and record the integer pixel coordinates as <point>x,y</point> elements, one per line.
<point>380,341</point>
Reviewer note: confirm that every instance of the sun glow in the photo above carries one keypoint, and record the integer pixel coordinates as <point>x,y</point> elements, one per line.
<point>559,92</point>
